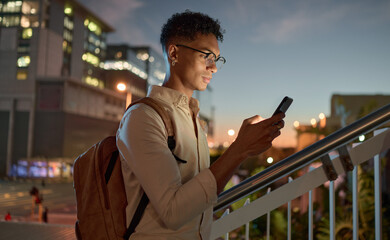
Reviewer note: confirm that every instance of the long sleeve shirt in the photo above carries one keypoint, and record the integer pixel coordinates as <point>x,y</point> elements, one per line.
<point>181,194</point>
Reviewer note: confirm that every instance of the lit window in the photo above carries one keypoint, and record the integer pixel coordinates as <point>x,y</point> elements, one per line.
<point>24,61</point>
<point>68,23</point>
<point>68,10</point>
<point>93,27</point>
<point>10,21</point>
<point>12,7</point>
<point>90,58</point>
<point>86,22</point>
<point>30,7</point>
<point>94,82</point>
<point>118,55</point>
<point>21,74</point>
<point>27,33</point>
<point>64,45</point>
<point>68,35</point>
<point>24,22</point>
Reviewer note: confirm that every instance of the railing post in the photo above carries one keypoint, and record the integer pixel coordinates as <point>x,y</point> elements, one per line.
<point>310,210</point>
<point>289,215</point>
<point>227,211</point>
<point>268,218</point>
<point>332,212</point>
<point>248,201</point>
<point>355,204</point>
<point>378,193</point>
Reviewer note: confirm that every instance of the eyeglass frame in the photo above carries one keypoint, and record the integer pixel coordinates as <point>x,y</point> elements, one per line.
<point>207,54</point>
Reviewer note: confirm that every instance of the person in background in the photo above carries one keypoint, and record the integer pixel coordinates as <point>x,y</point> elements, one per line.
<point>8,217</point>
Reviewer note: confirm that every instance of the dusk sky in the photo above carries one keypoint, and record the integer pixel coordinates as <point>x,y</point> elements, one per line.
<point>307,50</point>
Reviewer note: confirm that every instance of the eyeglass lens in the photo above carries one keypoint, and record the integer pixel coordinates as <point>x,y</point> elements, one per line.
<point>210,60</point>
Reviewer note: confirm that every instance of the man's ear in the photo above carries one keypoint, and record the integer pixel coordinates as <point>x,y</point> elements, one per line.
<point>172,53</point>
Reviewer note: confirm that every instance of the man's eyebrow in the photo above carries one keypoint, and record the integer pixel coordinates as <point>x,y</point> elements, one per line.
<point>212,52</point>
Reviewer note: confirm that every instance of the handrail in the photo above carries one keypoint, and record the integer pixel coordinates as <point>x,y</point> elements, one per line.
<point>304,157</point>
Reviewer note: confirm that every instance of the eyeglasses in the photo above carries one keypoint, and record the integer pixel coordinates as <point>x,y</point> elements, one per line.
<point>209,56</point>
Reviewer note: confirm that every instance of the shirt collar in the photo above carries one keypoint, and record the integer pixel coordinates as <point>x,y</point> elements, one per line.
<point>174,97</point>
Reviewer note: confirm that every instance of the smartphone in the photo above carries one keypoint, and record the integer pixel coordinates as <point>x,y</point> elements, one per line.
<point>284,105</point>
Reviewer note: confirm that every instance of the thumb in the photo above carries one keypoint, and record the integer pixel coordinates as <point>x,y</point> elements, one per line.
<point>253,120</point>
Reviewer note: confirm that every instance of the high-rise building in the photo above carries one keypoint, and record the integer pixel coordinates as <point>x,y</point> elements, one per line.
<point>53,100</point>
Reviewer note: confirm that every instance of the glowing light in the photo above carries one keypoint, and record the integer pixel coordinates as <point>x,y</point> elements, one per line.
<point>68,10</point>
<point>321,116</point>
<point>24,61</point>
<point>27,33</point>
<point>121,87</point>
<point>313,122</point>
<point>231,132</point>
<point>296,124</point>
<point>270,160</point>
<point>362,138</point>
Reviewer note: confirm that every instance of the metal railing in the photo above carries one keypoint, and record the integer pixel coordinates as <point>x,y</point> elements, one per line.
<point>304,157</point>
<point>308,182</point>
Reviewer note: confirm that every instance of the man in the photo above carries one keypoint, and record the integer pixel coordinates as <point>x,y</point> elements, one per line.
<point>182,194</point>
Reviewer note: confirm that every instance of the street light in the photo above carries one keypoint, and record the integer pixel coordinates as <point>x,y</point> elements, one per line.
<point>322,120</point>
<point>231,132</point>
<point>122,87</point>
<point>313,122</point>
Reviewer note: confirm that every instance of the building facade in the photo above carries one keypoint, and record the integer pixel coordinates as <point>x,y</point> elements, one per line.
<point>58,85</point>
<point>54,103</point>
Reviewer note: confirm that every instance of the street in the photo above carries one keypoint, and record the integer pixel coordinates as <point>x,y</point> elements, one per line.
<point>58,197</point>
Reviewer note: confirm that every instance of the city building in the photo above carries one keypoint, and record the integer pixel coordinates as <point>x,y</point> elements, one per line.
<point>345,109</point>
<point>54,103</point>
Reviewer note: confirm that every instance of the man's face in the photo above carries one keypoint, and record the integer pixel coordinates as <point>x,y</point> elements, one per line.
<point>191,67</point>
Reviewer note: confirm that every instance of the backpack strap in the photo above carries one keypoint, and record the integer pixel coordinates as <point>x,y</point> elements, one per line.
<point>137,216</point>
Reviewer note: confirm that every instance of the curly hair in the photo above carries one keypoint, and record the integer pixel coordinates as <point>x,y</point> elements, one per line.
<point>187,24</point>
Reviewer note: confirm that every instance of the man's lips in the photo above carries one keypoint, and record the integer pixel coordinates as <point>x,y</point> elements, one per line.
<point>206,79</point>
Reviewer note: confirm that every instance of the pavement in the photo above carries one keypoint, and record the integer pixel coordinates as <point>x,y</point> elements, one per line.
<point>58,197</point>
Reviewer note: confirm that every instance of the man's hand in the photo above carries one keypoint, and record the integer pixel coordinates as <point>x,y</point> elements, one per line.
<point>256,135</point>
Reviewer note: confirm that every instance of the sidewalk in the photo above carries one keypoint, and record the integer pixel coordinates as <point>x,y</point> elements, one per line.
<point>36,231</point>
<point>59,226</point>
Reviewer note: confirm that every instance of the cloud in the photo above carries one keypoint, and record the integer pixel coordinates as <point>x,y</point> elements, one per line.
<point>298,23</point>
<point>122,16</point>
<point>113,11</point>
<point>280,21</point>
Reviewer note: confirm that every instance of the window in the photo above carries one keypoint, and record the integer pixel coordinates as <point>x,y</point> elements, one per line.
<point>23,61</point>
<point>90,58</point>
<point>21,74</point>
<point>68,10</point>
<point>12,7</point>
<point>10,21</point>
<point>29,21</point>
<point>27,33</point>
<point>30,7</point>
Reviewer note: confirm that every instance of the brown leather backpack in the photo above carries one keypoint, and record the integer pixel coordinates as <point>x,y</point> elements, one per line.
<point>100,192</point>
